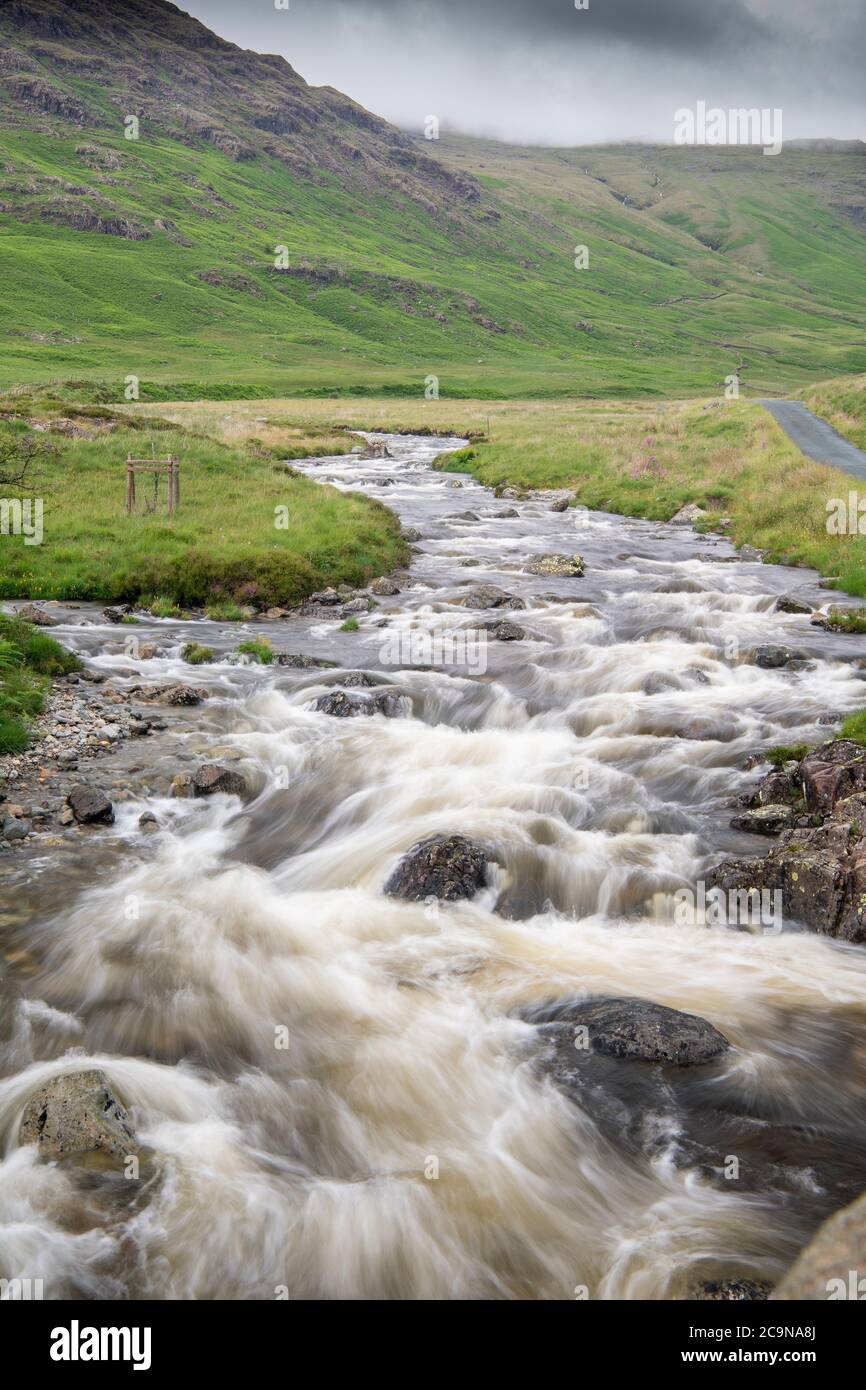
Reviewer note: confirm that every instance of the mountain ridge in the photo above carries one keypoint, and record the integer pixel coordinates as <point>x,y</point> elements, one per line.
<point>266,232</point>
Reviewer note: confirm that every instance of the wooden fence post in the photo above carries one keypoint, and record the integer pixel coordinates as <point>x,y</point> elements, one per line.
<point>130,485</point>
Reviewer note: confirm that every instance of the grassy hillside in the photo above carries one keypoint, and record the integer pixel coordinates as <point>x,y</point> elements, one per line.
<point>155,257</point>
<point>843,404</point>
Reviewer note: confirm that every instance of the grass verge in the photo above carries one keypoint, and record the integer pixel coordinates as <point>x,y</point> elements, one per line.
<point>28,660</point>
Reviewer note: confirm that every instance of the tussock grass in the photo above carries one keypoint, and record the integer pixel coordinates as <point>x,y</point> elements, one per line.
<point>843,404</point>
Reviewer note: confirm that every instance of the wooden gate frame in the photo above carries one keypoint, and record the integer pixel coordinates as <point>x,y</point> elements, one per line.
<point>169,466</point>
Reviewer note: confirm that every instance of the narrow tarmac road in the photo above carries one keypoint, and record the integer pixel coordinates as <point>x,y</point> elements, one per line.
<point>816,438</point>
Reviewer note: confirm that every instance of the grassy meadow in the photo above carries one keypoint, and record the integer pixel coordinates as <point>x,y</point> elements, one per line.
<point>247,532</point>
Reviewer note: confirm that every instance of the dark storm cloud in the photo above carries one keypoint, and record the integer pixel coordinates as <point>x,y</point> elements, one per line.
<point>682,25</point>
<point>542,70</point>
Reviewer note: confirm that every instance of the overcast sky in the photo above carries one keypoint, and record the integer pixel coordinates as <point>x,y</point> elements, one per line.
<point>544,71</point>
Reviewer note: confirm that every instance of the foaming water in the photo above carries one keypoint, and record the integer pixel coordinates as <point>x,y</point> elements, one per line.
<point>408,1141</point>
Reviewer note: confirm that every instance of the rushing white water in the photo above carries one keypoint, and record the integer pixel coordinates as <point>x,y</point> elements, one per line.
<point>407,1143</point>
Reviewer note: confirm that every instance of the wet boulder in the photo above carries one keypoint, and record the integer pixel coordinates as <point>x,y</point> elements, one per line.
<point>463,516</point>
<point>90,806</point>
<point>787,603</point>
<point>447,867</point>
<point>781,787</point>
<point>299,662</point>
<point>561,566</point>
<point>823,1270</point>
<point>384,587</point>
<point>77,1113</point>
<point>489,596</point>
<point>832,772</point>
<point>353,680</point>
<point>734,1290</point>
<point>339,705</point>
<point>325,598</point>
<point>507,514</point>
<point>504,631</point>
<point>764,820</point>
<point>117,613</point>
<point>35,614</point>
<point>179,695</point>
<point>632,1030</point>
<point>212,778</point>
<point>410,533</point>
<point>560,505</point>
<point>772,658</point>
<point>820,872</point>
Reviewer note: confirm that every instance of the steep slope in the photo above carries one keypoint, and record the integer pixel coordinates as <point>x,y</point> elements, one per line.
<point>157,257</point>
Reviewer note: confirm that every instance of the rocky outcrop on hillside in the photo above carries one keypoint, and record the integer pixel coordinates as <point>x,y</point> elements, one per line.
<point>155,62</point>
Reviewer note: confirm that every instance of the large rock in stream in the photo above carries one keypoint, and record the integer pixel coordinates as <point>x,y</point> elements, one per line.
<point>77,1113</point>
<point>447,867</point>
<point>489,596</point>
<point>562,566</point>
<point>833,1265</point>
<point>634,1030</point>
<point>818,808</point>
<point>339,705</point>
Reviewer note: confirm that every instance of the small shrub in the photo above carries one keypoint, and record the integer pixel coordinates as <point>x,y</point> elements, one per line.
<point>784,753</point>
<point>257,650</point>
<point>854,727</point>
<point>350,625</point>
<point>161,607</point>
<point>196,655</point>
<point>226,612</point>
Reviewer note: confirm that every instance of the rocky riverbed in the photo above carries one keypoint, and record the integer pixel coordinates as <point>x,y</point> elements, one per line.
<point>379,946</point>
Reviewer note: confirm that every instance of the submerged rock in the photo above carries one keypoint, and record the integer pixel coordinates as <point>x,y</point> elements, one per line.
<point>447,867</point>
<point>657,682</point>
<point>735,1290</point>
<point>77,1113</point>
<point>489,596</point>
<point>89,806</point>
<point>564,566</point>
<point>633,1030</point>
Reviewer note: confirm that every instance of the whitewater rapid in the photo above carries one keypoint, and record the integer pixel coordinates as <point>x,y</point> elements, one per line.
<point>340,1093</point>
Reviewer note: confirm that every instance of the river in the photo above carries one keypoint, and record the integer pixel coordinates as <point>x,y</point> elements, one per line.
<point>340,1093</point>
